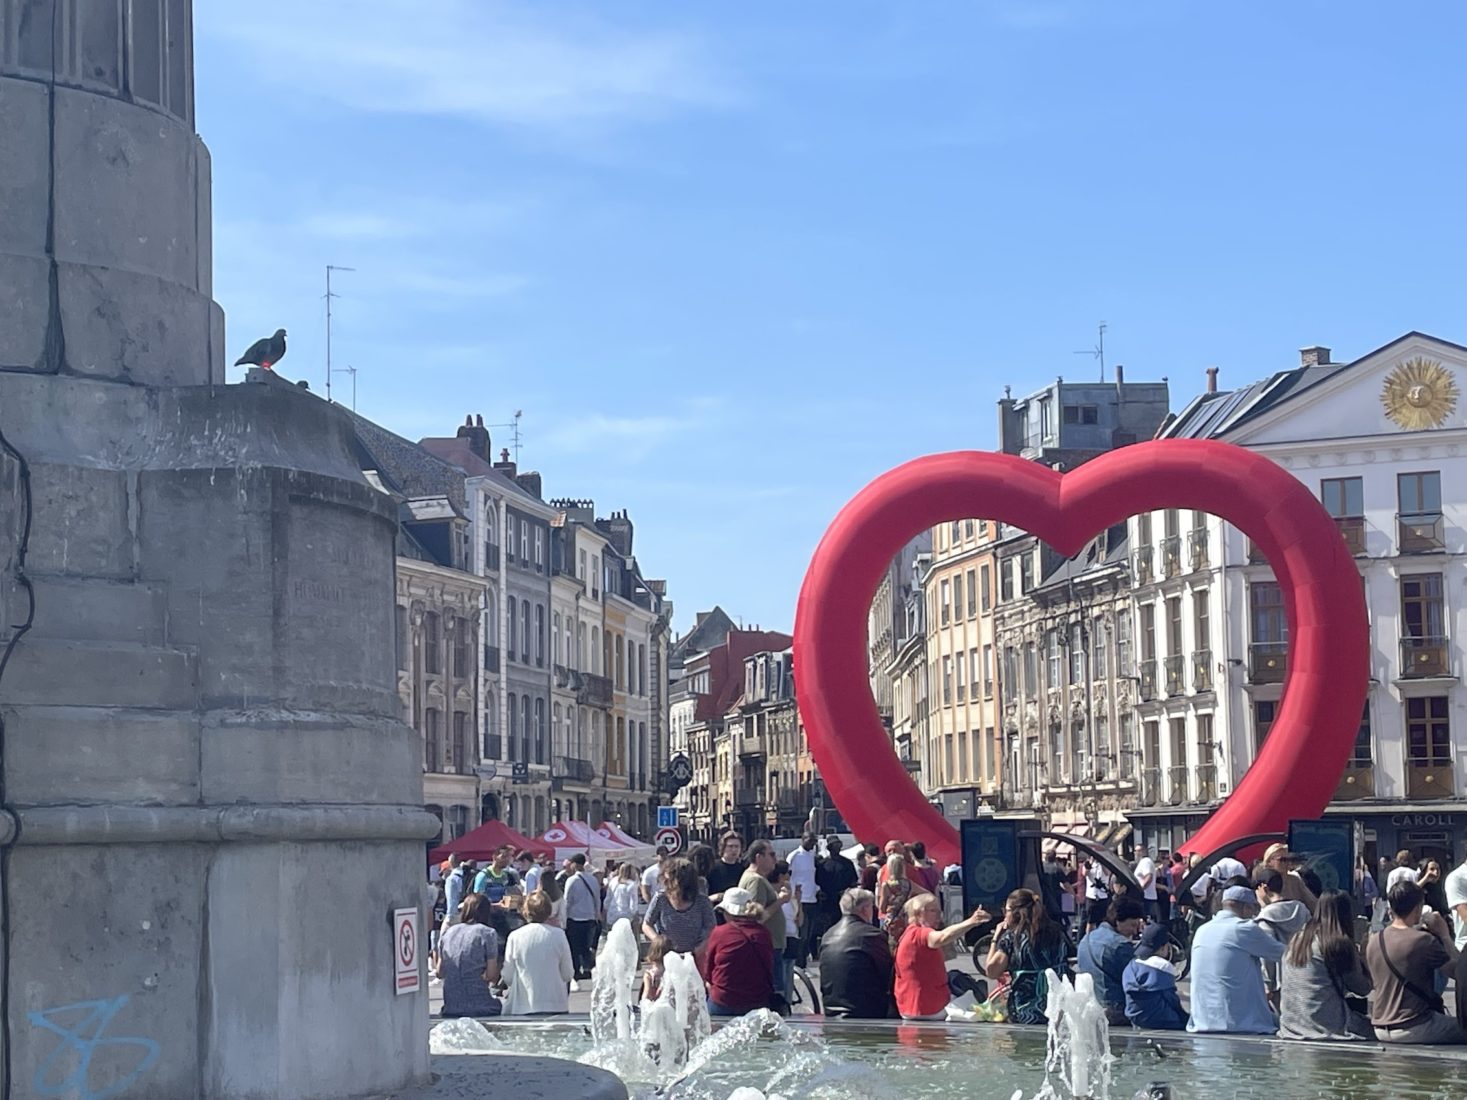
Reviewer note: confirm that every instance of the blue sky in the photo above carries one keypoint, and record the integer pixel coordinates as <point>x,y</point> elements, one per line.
<point>734,260</point>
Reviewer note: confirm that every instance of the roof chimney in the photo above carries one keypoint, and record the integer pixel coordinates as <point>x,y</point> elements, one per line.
<point>477,436</point>
<point>1120,374</point>
<point>1314,357</point>
<point>504,465</point>
<point>1211,379</point>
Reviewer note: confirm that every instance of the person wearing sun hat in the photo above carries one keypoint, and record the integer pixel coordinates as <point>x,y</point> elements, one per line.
<point>740,958</point>
<point>1150,984</point>
<point>1227,981</point>
<point>1277,857</point>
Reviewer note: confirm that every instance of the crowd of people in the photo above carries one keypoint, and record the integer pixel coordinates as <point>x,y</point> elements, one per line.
<point>1271,950</point>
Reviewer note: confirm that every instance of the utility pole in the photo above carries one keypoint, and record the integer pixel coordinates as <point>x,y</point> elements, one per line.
<point>329,269</point>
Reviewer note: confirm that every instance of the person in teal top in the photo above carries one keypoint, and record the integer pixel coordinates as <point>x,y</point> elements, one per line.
<point>1028,944</point>
<point>497,879</point>
<point>1227,980</point>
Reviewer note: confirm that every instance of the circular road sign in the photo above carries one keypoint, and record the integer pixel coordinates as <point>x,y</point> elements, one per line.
<point>681,769</point>
<point>668,841</point>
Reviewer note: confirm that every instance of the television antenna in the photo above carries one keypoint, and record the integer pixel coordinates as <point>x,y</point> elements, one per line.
<point>515,437</point>
<point>329,269</point>
<point>1098,351</point>
<point>351,370</point>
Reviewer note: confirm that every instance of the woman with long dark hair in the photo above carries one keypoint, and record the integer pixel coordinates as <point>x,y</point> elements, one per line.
<point>1027,944</point>
<point>1320,969</point>
<point>468,961</point>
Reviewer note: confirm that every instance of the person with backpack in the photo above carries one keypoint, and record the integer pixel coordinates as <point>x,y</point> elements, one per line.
<point>582,915</point>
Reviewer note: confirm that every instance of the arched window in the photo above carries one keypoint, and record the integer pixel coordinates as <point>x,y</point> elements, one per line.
<point>621,683</point>
<point>596,651</point>
<point>555,639</point>
<point>641,670</point>
<point>525,728</point>
<point>557,733</point>
<point>513,648</point>
<point>491,618</point>
<point>540,635</point>
<point>525,631</point>
<point>581,647</point>
<point>539,731</point>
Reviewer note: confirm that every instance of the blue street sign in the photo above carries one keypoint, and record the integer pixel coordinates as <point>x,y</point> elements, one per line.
<point>667,817</point>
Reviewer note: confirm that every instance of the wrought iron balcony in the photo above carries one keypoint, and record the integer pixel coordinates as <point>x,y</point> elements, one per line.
<point>1424,657</point>
<point>1352,530</point>
<point>748,796</point>
<point>593,691</point>
<point>751,746</point>
<point>1202,670</point>
<point>1176,785</point>
<point>1206,783</point>
<point>574,769</point>
<point>1171,555</point>
<point>1357,782</point>
<point>1150,794</point>
<point>1429,779</point>
<point>1267,662</point>
<point>1146,674</point>
<point>1174,665</point>
<point>1142,564</point>
<point>565,677</point>
<point>787,800</point>
<point>1197,549</point>
<point>1420,532</point>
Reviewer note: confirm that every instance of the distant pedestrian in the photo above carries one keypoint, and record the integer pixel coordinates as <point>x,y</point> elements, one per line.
<point>729,868</point>
<point>680,913</point>
<point>582,915</point>
<point>1403,871</point>
<point>468,962</point>
<point>624,897</point>
<point>652,971</point>
<point>537,963</point>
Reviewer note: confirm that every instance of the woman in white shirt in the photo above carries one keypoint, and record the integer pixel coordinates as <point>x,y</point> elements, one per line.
<point>624,896</point>
<point>537,963</point>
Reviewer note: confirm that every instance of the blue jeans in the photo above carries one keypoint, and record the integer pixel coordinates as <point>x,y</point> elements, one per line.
<point>716,1009</point>
<point>784,975</point>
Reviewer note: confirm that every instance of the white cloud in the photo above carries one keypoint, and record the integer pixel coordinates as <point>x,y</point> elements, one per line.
<point>627,438</point>
<point>487,60</point>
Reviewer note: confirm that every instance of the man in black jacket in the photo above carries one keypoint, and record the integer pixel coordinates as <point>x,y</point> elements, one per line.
<point>856,963</point>
<point>834,875</point>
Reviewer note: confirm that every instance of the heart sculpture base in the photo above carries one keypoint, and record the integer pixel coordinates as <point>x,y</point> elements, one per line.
<point>1299,766</point>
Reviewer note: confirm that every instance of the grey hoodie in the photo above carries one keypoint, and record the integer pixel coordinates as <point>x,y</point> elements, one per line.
<point>1280,919</point>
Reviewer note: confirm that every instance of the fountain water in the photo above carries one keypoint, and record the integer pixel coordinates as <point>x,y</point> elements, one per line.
<point>1078,1055</point>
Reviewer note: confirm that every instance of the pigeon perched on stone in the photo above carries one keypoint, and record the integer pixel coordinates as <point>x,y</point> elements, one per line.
<point>264,353</point>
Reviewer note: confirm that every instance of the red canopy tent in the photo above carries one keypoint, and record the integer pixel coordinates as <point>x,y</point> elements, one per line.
<point>483,842</point>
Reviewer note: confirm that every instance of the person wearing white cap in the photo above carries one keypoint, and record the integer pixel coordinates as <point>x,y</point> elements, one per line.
<point>1227,981</point>
<point>740,959</point>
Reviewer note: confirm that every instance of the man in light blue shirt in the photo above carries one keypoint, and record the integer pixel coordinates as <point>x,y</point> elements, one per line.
<point>1227,979</point>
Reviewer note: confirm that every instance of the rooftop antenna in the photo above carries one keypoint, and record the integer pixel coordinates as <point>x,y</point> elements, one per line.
<point>351,370</point>
<point>1098,351</point>
<point>329,269</point>
<point>515,437</point>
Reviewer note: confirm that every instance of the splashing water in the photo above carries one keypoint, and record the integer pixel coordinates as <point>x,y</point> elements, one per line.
<point>1078,1057</point>
<point>461,1036</point>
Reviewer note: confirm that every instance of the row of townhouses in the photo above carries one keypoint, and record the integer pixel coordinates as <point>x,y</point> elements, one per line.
<point>532,652</point>
<point>1123,693</point>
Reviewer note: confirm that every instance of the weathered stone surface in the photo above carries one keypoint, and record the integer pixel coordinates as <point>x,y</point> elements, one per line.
<point>133,327</point>
<point>309,1008</point>
<point>24,180</point>
<point>88,607</point>
<point>116,930</point>
<point>81,523</point>
<point>483,1077</point>
<point>125,188</point>
<point>25,305</point>
<point>51,671</point>
<point>69,754</point>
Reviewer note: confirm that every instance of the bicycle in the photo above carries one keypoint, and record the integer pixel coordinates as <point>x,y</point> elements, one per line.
<point>804,998</point>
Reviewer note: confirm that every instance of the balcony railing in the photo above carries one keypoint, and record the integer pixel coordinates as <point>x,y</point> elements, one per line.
<point>1174,665</point>
<point>788,801</point>
<point>574,769</point>
<point>1424,657</point>
<point>1176,785</point>
<point>1202,670</point>
<point>1197,549</point>
<point>751,746</point>
<point>1420,532</point>
<point>1206,781</point>
<point>566,677</point>
<point>1429,779</point>
<point>1150,794</point>
<point>1352,530</point>
<point>1357,782</point>
<point>1141,565</point>
<point>594,691</point>
<point>747,796</point>
<point>491,658</point>
<point>1267,662</point>
<point>1146,674</point>
<point>1171,555</point>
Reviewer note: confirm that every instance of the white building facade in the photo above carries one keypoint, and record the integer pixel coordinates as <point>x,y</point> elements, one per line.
<point>1382,441</point>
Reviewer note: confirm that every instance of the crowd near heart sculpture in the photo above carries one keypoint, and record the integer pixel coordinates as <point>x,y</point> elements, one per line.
<point>1300,765</point>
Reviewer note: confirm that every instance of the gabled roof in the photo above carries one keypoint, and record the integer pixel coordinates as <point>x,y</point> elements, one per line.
<point>415,471</point>
<point>459,453</point>
<point>1213,415</point>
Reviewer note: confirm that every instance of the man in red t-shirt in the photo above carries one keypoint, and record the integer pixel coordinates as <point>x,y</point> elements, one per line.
<point>740,958</point>
<point>921,969</point>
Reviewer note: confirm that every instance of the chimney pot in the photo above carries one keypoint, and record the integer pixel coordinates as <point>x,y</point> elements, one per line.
<point>1315,356</point>
<point>504,455</point>
<point>1211,379</point>
<point>1120,375</point>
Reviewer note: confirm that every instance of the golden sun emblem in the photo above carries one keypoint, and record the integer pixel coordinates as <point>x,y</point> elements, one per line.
<point>1419,394</point>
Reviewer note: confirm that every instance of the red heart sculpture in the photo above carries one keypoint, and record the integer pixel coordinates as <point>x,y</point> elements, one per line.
<point>1300,765</point>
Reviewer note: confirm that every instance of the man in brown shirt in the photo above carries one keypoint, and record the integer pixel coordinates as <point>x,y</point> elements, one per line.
<point>1403,960</point>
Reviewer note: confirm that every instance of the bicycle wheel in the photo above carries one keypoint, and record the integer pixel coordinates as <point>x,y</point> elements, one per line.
<point>804,998</point>
<point>1181,957</point>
